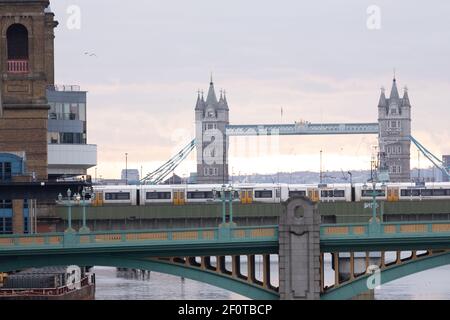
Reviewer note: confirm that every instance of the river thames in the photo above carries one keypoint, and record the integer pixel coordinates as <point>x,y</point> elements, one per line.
<point>120,285</point>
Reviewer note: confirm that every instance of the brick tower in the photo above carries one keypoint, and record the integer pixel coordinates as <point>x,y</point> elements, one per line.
<point>26,69</point>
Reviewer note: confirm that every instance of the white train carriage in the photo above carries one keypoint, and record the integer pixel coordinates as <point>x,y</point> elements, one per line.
<point>155,194</point>
<point>310,191</point>
<point>364,192</point>
<point>265,193</point>
<point>427,191</point>
<point>335,192</point>
<point>120,195</point>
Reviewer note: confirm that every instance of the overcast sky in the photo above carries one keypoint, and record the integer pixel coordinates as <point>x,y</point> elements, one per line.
<point>318,60</point>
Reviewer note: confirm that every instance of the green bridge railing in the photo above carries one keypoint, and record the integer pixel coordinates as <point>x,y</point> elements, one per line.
<point>385,230</point>
<point>139,237</point>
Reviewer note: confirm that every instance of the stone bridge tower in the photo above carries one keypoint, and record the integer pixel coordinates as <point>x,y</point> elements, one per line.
<point>26,69</point>
<point>394,117</point>
<point>211,119</point>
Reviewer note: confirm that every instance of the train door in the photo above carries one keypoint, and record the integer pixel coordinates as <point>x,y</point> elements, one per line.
<point>98,201</point>
<point>392,194</point>
<point>313,194</point>
<point>178,197</point>
<point>246,196</point>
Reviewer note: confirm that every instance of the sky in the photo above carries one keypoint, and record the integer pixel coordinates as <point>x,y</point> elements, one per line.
<point>321,61</point>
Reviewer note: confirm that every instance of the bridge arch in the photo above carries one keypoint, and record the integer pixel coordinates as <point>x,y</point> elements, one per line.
<point>135,262</point>
<point>359,285</point>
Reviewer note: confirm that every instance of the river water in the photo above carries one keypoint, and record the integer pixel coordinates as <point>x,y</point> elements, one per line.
<point>127,285</point>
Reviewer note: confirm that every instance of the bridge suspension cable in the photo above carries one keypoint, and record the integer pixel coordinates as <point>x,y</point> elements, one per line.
<point>438,163</point>
<point>163,171</point>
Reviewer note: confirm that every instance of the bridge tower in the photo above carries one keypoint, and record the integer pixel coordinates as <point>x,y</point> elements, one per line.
<point>394,117</point>
<point>211,119</point>
<point>26,69</point>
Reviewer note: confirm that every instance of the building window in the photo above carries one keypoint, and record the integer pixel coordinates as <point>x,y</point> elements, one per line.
<point>17,39</point>
<point>5,225</point>
<point>5,171</point>
<point>394,124</point>
<point>395,169</point>
<point>394,150</point>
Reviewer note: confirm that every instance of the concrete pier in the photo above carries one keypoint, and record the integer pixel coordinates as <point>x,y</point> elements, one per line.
<point>299,253</point>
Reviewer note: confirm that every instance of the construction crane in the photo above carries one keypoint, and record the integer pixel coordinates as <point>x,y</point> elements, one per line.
<point>438,163</point>
<point>157,176</point>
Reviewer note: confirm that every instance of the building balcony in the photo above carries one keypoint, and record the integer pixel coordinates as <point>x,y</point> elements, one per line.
<point>64,88</point>
<point>18,66</point>
<point>71,159</point>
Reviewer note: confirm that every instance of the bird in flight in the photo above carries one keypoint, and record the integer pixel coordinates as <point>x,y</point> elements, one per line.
<point>90,54</point>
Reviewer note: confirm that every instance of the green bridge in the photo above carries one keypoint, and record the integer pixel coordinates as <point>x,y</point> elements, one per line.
<point>204,254</point>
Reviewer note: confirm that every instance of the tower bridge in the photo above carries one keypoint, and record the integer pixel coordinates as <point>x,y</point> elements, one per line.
<point>213,130</point>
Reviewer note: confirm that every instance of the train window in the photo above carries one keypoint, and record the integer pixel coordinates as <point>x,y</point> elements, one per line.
<point>410,192</point>
<point>278,193</point>
<point>158,195</point>
<point>227,195</point>
<point>298,193</point>
<point>368,193</point>
<point>200,195</point>
<point>439,192</point>
<point>263,193</point>
<point>339,193</point>
<point>117,196</point>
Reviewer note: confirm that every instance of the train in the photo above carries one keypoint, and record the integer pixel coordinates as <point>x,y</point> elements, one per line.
<point>143,195</point>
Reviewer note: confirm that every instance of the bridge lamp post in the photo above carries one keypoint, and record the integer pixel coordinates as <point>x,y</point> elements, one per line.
<point>222,196</point>
<point>231,191</point>
<point>374,195</point>
<point>84,228</point>
<point>69,209</point>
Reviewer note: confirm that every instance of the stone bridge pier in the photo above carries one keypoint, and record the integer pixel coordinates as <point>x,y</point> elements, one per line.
<point>299,250</point>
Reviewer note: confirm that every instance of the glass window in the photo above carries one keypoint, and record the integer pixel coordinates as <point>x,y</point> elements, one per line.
<point>339,193</point>
<point>117,196</point>
<point>263,194</point>
<point>439,192</point>
<point>53,137</point>
<point>368,193</point>
<point>200,195</point>
<point>299,193</point>
<point>66,111</point>
<point>74,111</point>
<point>278,193</point>
<point>82,111</point>
<point>158,195</point>
<point>59,111</point>
<point>7,171</point>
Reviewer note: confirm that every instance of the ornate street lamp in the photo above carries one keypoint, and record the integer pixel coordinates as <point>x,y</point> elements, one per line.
<point>84,228</point>
<point>222,196</point>
<point>69,208</point>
